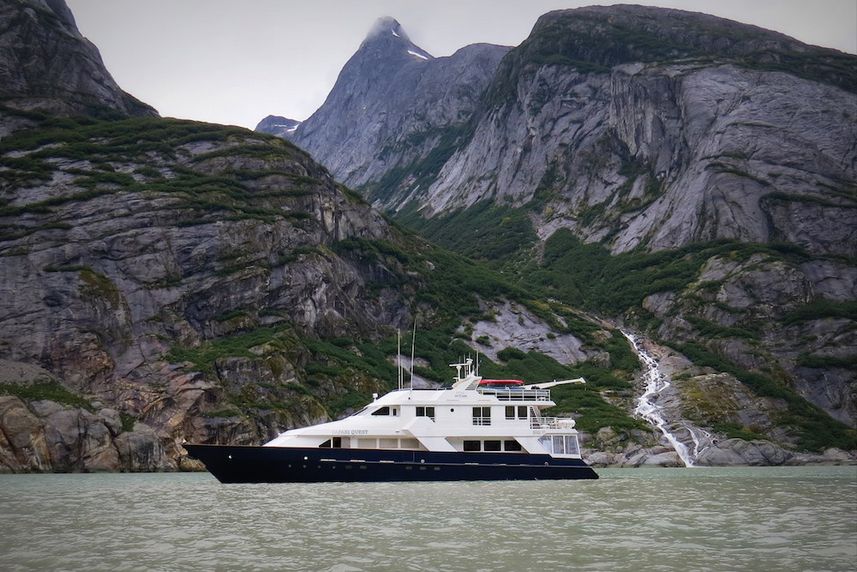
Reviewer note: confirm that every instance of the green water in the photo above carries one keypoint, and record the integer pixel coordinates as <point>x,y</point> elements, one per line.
<point>802,518</point>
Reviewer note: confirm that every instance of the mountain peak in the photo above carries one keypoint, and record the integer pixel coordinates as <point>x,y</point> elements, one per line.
<point>387,26</point>
<point>388,37</point>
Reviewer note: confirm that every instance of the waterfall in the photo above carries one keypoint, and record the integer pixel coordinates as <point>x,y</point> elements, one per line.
<point>648,408</point>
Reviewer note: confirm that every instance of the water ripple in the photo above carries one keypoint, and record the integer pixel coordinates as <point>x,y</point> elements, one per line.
<point>660,519</point>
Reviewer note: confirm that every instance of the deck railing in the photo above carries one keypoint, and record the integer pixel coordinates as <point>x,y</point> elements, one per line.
<point>551,423</point>
<point>518,394</point>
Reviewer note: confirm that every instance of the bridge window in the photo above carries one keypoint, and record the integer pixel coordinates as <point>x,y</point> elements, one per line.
<point>482,416</point>
<point>492,445</point>
<point>334,442</point>
<point>571,445</point>
<point>394,411</point>
<point>426,412</point>
<point>472,446</point>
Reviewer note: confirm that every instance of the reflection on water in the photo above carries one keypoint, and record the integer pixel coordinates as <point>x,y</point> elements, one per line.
<point>798,518</point>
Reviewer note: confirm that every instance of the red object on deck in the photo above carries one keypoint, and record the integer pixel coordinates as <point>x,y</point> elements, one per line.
<point>501,382</point>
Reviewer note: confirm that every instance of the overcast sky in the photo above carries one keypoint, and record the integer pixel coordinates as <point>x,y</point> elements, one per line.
<point>236,61</point>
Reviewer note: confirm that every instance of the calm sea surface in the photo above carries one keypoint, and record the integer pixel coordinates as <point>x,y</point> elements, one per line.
<point>646,519</point>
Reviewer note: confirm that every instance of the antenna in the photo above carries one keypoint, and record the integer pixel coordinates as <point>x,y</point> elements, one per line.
<point>413,345</point>
<point>399,358</point>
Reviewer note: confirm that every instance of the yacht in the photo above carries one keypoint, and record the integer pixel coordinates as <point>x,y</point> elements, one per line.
<point>477,429</point>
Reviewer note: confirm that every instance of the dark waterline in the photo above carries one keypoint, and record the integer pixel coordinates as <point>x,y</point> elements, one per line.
<point>796,518</point>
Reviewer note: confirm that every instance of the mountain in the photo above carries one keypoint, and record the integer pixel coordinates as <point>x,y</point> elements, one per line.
<point>393,103</point>
<point>690,175</point>
<point>278,125</point>
<point>48,66</point>
<point>169,280</point>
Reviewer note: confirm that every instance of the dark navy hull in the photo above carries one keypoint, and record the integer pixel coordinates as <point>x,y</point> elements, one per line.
<point>238,464</point>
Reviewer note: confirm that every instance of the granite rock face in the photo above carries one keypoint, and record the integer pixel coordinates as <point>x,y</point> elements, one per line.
<point>643,130</point>
<point>168,235</point>
<point>46,65</point>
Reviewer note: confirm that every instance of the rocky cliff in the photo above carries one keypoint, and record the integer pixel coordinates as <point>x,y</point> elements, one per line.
<point>125,241</point>
<point>46,65</point>
<point>696,175</point>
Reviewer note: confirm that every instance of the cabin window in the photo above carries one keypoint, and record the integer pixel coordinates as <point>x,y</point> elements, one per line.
<point>325,445</point>
<point>337,442</point>
<point>511,445</point>
<point>492,445</point>
<point>571,446</point>
<point>513,410</point>
<point>386,443</point>
<point>367,443</point>
<point>382,411</point>
<point>409,444</point>
<point>482,416</point>
<point>546,442</point>
<point>558,445</point>
<point>426,412</point>
<point>472,446</point>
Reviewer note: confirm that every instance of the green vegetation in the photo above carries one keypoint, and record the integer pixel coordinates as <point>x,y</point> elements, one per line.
<point>814,429</point>
<point>204,356</point>
<point>199,194</point>
<point>737,431</point>
<point>709,330</point>
<point>808,360</point>
<point>483,231</point>
<point>128,421</point>
<point>821,308</point>
<point>45,390</point>
<point>589,275</point>
<point>95,285</point>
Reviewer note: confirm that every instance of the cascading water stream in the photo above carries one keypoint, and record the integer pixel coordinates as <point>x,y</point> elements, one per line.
<point>648,408</point>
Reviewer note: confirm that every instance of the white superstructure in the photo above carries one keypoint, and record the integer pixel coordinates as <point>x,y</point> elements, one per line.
<point>474,415</point>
